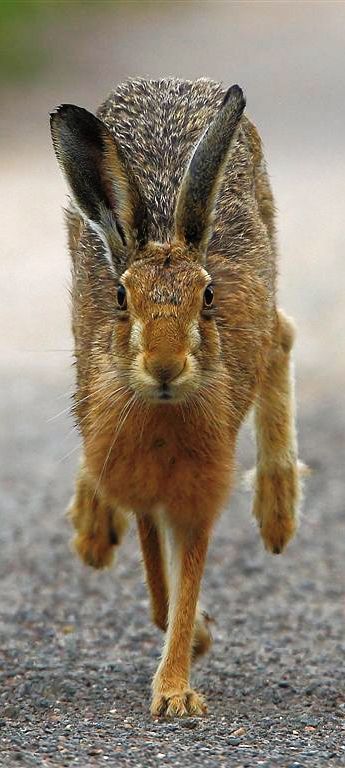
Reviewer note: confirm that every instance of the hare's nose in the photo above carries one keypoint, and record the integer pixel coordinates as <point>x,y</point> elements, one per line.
<point>167,371</point>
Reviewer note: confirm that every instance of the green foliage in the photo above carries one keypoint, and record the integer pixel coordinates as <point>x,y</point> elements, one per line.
<point>23,54</point>
<point>20,56</point>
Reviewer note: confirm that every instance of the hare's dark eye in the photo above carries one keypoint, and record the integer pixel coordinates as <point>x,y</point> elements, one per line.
<point>208,297</point>
<point>121,297</point>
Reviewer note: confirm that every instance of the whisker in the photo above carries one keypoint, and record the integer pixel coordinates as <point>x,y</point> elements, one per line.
<point>82,400</point>
<point>67,455</point>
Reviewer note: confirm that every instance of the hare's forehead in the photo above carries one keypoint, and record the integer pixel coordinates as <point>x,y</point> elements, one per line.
<point>166,286</point>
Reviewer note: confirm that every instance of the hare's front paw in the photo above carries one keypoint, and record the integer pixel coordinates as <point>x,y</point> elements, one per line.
<point>178,704</point>
<point>276,505</point>
<point>99,527</point>
<point>95,550</point>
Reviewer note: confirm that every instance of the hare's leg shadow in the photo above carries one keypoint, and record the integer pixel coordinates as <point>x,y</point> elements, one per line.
<point>99,524</point>
<point>277,479</point>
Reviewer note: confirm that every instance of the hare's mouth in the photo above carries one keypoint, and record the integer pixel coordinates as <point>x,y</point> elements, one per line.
<point>165,392</point>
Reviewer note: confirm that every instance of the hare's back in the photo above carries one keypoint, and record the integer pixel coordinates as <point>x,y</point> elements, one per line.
<point>157,123</point>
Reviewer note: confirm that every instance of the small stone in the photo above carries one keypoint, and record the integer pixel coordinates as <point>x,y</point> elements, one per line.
<point>190,723</point>
<point>309,720</point>
<point>233,742</point>
<point>311,688</point>
<point>295,765</point>
<point>68,629</point>
<point>11,712</point>
<point>239,732</point>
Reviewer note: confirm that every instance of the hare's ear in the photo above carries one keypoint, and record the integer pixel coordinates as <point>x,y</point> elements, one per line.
<point>200,185</point>
<point>103,187</point>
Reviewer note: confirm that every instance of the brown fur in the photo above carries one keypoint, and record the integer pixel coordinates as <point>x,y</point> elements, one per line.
<point>171,462</point>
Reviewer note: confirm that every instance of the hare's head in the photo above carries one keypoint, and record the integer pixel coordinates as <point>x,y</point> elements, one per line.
<point>164,339</point>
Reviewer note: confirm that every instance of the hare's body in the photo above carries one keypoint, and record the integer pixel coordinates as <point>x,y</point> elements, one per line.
<point>163,386</point>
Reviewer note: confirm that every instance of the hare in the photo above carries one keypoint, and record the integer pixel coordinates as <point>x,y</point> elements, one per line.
<point>177,335</point>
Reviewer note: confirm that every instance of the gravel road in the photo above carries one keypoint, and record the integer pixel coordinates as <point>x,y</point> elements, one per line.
<point>77,651</point>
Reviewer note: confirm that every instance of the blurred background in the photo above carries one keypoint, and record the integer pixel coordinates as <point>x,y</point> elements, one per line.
<point>289,58</point>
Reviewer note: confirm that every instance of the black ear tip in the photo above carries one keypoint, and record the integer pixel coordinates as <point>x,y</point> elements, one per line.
<point>70,110</point>
<point>236,96</point>
<point>61,111</point>
<point>78,122</point>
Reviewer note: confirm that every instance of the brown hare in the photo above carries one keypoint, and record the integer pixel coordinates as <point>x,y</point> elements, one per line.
<point>172,237</point>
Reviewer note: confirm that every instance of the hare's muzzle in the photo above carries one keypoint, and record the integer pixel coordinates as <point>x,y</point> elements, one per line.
<point>158,377</point>
<point>164,371</point>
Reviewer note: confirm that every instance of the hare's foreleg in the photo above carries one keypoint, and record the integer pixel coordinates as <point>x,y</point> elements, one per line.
<point>172,694</point>
<point>99,525</point>
<point>155,558</point>
<point>277,486</point>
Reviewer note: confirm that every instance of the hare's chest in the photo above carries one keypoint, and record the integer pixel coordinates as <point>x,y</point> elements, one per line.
<point>153,466</point>
<point>158,463</point>
<point>152,470</point>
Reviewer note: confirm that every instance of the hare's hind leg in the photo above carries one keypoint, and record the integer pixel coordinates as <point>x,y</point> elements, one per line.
<point>277,484</point>
<point>99,525</point>
<point>155,557</point>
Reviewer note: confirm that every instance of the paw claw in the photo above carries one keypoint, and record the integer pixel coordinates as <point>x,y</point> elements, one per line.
<point>184,704</point>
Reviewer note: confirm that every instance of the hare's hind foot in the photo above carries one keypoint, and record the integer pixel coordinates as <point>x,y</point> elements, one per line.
<point>185,703</point>
<point>99,526</point>
<point>203,639</point>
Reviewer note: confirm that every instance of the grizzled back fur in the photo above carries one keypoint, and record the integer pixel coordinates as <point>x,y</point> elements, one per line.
<point>158,123</point>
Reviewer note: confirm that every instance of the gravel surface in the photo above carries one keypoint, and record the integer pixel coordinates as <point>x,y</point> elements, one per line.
<point>79,650</point>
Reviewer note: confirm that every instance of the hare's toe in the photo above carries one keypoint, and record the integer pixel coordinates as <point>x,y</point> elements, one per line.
<point>187,703</point>
<point>277,534</point>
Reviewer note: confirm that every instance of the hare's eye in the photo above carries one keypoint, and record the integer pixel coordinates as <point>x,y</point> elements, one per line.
<point>121,297</point>
<point>208,297</point>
